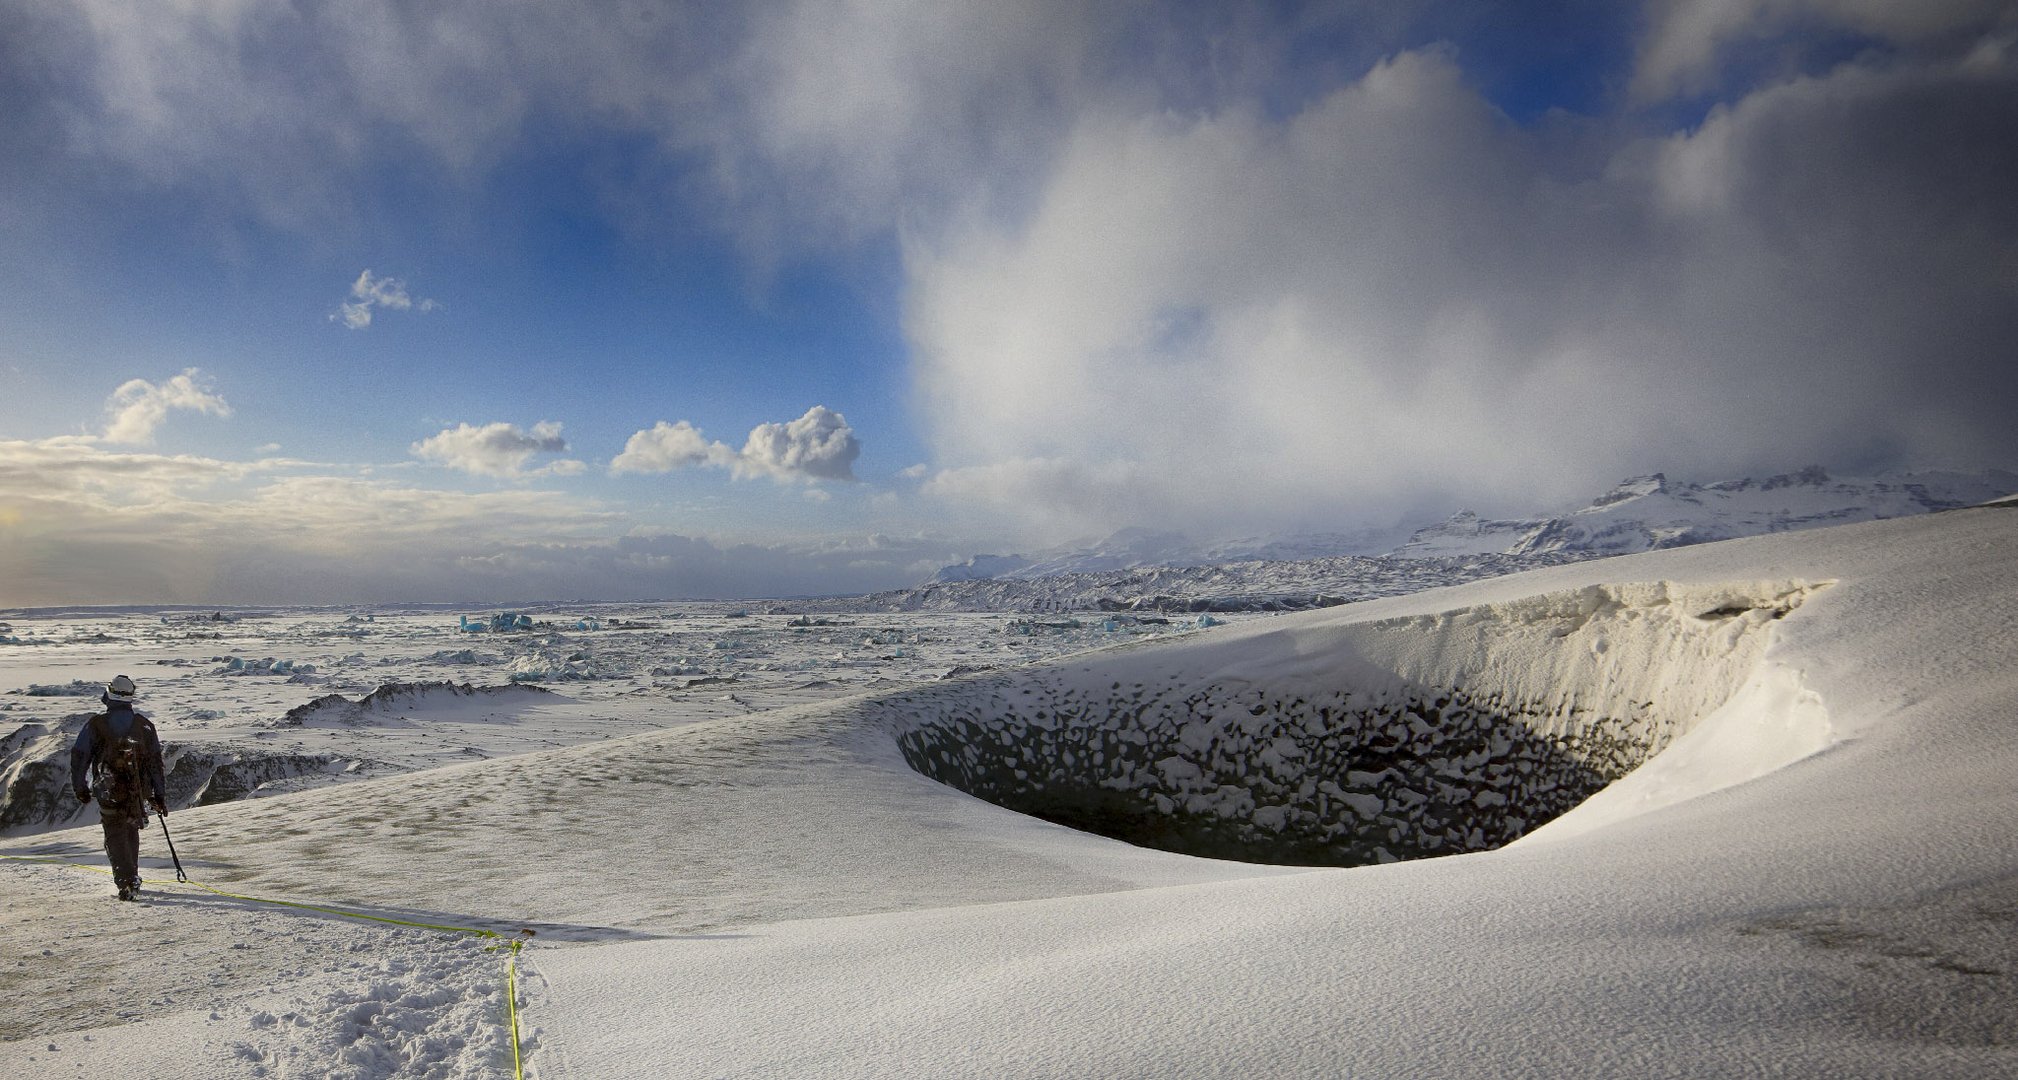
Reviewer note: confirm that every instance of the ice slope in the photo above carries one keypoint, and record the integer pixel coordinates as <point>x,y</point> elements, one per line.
<point>780,894</point>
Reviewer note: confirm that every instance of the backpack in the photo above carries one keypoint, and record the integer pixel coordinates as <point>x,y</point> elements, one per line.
<point>119,767</point>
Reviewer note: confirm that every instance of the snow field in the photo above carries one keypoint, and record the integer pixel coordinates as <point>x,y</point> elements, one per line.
<point>199,985</point>
<point>779,893</point>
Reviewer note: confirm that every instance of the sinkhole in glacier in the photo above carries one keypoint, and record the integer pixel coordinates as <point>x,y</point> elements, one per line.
<point>1334,743</point>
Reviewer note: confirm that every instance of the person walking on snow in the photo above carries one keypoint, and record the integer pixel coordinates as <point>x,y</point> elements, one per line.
<point>117,757</point>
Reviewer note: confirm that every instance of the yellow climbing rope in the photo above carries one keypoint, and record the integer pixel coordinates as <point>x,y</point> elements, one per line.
<point>513,944</point>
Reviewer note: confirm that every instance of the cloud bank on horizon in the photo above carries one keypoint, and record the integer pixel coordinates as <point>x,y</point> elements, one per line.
<point>1224,268</point>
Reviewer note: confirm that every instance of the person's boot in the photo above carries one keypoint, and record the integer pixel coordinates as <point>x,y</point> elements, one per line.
<point>129,890</point>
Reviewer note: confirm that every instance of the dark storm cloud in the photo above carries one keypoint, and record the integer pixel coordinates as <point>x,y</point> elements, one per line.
<point>1396,293</point>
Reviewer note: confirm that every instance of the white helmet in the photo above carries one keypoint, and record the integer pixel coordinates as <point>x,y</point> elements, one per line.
<point>120,689</point>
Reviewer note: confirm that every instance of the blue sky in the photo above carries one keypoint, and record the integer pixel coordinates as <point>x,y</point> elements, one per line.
<point>711,299</point>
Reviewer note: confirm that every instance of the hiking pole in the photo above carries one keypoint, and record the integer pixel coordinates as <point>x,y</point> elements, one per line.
<point>179,875</point>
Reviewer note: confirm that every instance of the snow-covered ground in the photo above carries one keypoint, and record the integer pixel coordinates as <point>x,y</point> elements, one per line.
<point>1810,871</point>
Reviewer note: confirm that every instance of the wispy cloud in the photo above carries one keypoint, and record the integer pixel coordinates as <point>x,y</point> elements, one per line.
<point>139,407</point>
<point>498,449</point>
<point>817,446</point>
<point>369,292</point>
<point>1685,37</point>
<point>77,466</point>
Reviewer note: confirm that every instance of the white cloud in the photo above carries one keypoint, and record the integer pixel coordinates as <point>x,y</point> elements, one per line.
<point>846,117</point>
<point>817,446</point>
<point>498,449</point>
<point>139,407</point>
<point>368,292</point>
<point>664,447</point>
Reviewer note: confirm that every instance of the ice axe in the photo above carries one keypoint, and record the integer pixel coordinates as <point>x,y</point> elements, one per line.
<point>179,875</point>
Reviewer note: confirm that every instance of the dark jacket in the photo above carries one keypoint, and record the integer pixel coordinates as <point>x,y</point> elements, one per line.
<point>103,731</point>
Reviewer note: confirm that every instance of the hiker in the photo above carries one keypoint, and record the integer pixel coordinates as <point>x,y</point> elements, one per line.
<point>121,754</point>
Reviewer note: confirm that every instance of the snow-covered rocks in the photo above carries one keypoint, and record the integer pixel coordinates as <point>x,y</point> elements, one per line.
<point>555,665</point>
<point>398,699</point>
<point>267,665</point>
<point>35,774</point>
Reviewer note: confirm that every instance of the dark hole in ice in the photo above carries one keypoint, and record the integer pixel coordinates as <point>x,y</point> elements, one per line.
<point>1339,779</point>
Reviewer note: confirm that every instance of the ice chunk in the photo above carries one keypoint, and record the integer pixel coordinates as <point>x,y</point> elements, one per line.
<point>544,666</point>
<point>234,665</point>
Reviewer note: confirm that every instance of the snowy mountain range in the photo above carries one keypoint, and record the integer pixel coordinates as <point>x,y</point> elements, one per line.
<point>1144,570</point>
<point>1649,512</point>
<point>1642,513</point>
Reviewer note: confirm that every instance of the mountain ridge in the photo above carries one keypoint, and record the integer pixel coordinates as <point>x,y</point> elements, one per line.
<point>1640,513</point>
